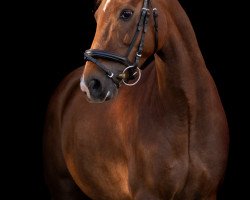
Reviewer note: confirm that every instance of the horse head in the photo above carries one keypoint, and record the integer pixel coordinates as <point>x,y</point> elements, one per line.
<point>125,41</point>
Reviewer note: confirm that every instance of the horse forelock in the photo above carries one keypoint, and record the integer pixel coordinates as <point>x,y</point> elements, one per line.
<point>97,2</point>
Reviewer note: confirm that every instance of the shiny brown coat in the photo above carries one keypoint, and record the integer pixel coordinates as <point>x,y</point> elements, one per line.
<point>165,138</point>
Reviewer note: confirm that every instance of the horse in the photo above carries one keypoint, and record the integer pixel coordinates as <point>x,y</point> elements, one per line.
<point>142,119</point>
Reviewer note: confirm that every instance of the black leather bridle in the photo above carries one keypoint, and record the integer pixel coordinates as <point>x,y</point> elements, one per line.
<point>131,67</point>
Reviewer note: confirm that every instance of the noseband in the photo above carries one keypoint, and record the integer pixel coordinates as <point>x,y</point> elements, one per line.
<point>131,67</point>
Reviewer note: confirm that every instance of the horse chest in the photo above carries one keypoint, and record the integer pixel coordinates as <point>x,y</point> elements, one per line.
<point>121,156</point>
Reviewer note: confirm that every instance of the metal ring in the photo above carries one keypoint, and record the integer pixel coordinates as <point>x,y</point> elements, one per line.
<point>139,76</point>
<point>111,75</point>
<point>139,55</point>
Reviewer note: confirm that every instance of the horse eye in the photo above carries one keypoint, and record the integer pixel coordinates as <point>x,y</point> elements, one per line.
<point>126,15</point>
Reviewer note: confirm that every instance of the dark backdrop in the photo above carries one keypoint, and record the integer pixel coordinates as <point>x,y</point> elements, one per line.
<point>52,35</point>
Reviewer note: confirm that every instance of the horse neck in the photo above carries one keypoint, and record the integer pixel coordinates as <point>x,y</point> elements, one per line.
<point>180,65</point>
<point>169,88</point>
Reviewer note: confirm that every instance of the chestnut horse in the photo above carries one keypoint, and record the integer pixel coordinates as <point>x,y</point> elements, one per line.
<point>164,138</point>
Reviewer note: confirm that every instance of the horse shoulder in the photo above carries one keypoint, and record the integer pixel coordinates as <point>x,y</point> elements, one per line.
<point>56,172</point>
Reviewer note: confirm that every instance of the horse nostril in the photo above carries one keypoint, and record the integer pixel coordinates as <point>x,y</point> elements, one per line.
<point>95,85</point>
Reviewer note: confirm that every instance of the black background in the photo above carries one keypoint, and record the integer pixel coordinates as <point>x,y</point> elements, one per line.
<point>46,42</point>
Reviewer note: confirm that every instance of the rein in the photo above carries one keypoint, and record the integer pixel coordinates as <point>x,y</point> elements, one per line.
<point>131,68</point>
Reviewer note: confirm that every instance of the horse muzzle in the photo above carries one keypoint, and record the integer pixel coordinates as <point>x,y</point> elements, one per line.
<point>96,91</point>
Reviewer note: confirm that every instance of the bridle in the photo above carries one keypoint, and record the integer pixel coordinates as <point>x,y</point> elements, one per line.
<point>131,68</point>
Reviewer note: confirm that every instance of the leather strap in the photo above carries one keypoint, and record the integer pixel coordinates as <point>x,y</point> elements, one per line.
<point>93,54</point>
<point>106,55</point>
